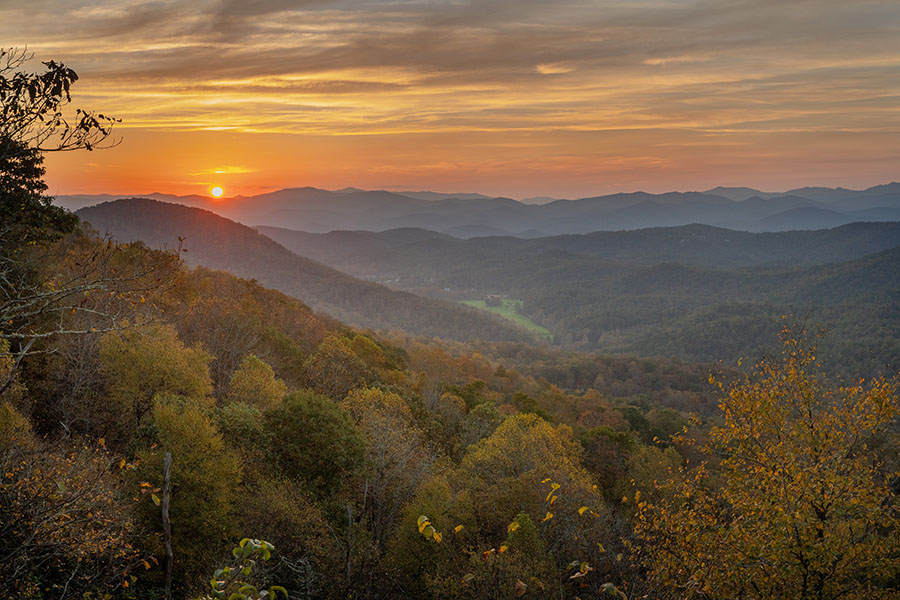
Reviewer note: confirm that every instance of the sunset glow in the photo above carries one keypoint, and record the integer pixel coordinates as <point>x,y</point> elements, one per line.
<point>568,98</point>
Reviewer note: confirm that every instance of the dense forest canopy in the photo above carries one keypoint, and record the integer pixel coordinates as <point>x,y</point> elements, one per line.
<point>178,432</point>
<point>694,292</point>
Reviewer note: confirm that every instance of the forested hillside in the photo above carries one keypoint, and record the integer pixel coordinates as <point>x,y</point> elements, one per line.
<point>387,467</point>
<point>693,292</point>
<point>170,431</point>
<point>218,243</point>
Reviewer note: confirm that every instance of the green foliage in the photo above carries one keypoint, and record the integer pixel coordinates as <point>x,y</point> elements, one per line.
<point>524,538</point>
<point>246,429</point>
<point>606,455</point>
<point>15,430</point>
<point>29,217</point>
<point>509,309</point>
<point>231,581</point>
<point>665,423</point>
<point>478,424</point>
<point>526,404</point>
<point>205,478</point>
<point>505,471</point>
<point>142,362</point>
<point>417,557</point>
<point>282,513</point>
<point>254,383</point>
<point>315,441</point>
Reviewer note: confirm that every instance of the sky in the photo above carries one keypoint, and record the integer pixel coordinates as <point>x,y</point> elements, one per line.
<point>563,98</point>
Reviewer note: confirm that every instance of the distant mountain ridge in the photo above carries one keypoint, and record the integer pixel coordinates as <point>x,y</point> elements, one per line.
<point>218,243</point>
<point>692,291</point>
<point>468,215</point>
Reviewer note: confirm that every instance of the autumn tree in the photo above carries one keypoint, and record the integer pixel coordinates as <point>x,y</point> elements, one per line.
<point>254,383</point>
<point>530,466</point>
<point>798,506</point>
<point>281,512</point>
<point>56,279</point>
<point>140,363</point>
<point>205,480</point>
<point>398,456</point>
<point>65,530</point>
<point>335,369</point>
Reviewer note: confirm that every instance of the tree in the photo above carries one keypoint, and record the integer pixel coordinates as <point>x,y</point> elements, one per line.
<point>507,474</point>
<point>32,117</point>
<point>335,369</point>
<point>65,530</point>
<point>317,442</point>
<point>800,506</point>
<point>254,383</point>
<point>205,479</point>
<point>232,580</point>
<point>37,302</point>
<point>399,458</point>
<point>280,512</point>
<point>141,363</point>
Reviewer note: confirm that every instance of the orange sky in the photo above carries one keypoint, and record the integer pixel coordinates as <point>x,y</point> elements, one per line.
<point>507,97</point>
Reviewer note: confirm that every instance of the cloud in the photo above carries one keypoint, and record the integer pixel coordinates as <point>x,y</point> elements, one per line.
<point>503,67</point>
<point>226,170</point>
<point>554,68</point>
<point>663,61</point>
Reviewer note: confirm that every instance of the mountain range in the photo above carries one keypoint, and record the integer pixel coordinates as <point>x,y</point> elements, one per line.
<point>474,215</point>
<point>692,292</point>
<point>218,243</point>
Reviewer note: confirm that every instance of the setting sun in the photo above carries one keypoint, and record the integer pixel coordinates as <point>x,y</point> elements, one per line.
<point>217,191</point>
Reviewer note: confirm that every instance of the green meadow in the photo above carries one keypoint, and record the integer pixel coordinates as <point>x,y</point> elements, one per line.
<point>507,309</point>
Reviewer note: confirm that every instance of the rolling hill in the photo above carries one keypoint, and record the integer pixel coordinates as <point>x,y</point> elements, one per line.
<point>218,243</point>
<point>473,215</point>
<point>694,292</point>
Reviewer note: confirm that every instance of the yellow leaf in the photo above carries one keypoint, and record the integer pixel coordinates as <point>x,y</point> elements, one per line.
<point>512,526</point>
<point>583,570</point>
<point>423,522</point>
<point>548,516</point>
<point>582,510</point>
<point>457,529</point>
<point>503,549</point>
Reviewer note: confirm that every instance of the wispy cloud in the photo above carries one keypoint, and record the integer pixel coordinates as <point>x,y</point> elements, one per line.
<point>227,170</point>
<point>397,67</point>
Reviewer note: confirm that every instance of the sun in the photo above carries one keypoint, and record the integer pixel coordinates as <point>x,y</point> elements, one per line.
<point>217,191</point>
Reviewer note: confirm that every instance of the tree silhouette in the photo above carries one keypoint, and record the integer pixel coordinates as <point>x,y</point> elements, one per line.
<point>47,290</point>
